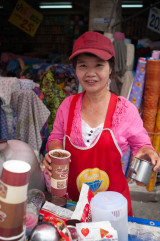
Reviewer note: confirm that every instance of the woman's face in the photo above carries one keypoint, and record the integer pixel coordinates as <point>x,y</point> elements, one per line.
<point>93,73</point>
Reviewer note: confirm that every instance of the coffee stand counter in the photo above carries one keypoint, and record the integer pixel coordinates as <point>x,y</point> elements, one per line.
<point>139,229</point>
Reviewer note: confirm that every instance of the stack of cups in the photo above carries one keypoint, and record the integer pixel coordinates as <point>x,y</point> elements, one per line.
<point>13,199</point>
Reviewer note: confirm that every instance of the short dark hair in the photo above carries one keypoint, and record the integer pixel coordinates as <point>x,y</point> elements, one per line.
<point>111,62</point>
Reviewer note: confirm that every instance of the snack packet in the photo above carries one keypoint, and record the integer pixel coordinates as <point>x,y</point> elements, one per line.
<point>51,210</point>
<point>82,211</point>
<point>57,216</point>
<point>96,231</point>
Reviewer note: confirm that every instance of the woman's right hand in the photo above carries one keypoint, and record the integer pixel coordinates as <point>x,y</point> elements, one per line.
<point>47,163</point>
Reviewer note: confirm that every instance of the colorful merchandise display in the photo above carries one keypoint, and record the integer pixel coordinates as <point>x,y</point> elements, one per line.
<point>53,94</point>
<point>136,94</point>
<point>136,97</point>
<point>151,95</point>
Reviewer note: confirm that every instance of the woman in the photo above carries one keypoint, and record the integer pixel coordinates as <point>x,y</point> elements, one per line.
<point>96,126</point>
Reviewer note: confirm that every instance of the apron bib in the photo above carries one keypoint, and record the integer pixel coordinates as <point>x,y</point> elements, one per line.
<point>98,165</point>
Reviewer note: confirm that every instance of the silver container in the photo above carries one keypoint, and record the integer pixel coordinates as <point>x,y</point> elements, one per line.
<point>44,232</point>
<point>141,170</point>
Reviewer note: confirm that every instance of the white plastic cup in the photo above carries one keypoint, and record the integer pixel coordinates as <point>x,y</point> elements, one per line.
<point>35,200</point>
<point>111,206</point>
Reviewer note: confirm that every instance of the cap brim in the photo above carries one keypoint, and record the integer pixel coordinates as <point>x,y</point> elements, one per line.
<point>99,53</point>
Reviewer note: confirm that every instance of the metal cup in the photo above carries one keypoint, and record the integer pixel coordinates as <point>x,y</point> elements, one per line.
<point>141,170</point>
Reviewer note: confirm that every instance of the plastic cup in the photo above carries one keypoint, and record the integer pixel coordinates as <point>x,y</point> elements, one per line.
<point>36,198</point>
<point>60,169</point>
<point>31,217</point>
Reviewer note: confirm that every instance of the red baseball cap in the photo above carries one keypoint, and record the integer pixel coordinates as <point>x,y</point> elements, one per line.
<point>94,43</point>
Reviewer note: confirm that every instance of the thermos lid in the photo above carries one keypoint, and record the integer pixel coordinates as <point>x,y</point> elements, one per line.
<point>109,200</point>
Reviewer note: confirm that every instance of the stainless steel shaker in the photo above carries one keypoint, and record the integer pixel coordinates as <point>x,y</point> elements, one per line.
<point>44,232</point>
<point>141,170</point>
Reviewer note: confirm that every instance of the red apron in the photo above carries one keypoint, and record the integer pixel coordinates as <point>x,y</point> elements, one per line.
<point>98,165</point>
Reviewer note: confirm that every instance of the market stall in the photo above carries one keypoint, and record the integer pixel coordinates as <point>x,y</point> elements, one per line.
<point>138,229</point>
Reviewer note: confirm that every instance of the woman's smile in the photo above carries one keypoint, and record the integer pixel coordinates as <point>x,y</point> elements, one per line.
<point>91,81</point>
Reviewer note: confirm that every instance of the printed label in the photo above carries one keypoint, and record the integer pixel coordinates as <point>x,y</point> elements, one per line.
<point>3,190</point>
<point>96,231</point>
<point>154,20</point>
<point>2,216</point>
<point>96,179</point>
<point>13,194</point>
<point>25,17</point>
<point>59,184</point>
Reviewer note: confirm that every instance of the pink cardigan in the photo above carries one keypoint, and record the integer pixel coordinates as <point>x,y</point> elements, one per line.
<point>127,125</point>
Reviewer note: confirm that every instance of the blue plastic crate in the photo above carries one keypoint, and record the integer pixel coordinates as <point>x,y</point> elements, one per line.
<point>142,222</point>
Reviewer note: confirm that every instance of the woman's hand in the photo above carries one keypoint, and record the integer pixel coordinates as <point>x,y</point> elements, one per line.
<point>152,155</point>
<point>47,162</point>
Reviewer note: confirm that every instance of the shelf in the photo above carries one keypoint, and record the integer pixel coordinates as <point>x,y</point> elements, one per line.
<point>54,33</point>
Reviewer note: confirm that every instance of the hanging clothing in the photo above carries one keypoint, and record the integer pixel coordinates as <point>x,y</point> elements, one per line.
<point>120,57</point>
<point>98,165</point>
<point>45,129</point>
<point>32,114</point>
<point>127,78</point>
<point>3,124</point>
<point>53,94</point>
<point>7,86</point>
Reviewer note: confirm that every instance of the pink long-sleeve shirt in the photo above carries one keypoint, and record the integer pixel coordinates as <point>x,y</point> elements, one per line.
<point>127,125</point>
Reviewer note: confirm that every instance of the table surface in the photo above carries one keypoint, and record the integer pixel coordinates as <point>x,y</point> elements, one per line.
<point>141,228</point>
<point>142,224</point>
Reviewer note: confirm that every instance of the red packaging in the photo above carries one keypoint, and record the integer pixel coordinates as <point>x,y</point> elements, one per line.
<point>50,210</point>
<point>60,226</point>
<point>82,211</point>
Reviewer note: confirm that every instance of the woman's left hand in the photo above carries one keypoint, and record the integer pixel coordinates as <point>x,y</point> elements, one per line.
<point>155,159</point>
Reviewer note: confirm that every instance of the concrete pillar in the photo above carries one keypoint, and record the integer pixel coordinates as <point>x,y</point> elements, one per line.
<point>104,14</point>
